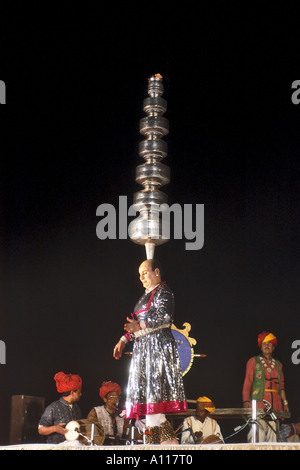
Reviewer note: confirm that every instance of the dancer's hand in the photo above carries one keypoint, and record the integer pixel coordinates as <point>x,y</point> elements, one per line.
<point>118,349</point>
<point>132,326</point>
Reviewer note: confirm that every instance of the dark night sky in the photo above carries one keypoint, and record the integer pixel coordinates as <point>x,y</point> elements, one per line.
<point>69,143</point>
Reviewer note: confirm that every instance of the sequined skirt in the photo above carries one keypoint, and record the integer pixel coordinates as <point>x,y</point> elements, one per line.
<point>155,382</point>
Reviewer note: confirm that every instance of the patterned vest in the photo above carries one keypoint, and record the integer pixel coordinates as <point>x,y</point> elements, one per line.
<point>259,380</point>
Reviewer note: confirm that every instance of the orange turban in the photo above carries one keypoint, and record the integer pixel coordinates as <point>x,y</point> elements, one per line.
<point>266,337</point>
<point>107,387</point>
<point>67,382</point>
<point>206,404</point>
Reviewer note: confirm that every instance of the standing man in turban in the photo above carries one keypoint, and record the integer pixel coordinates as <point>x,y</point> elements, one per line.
<point>264,380</point>
<point>201,429</point>
<point>155,385</point>
<point>62,411</point>
<point>107,414</point>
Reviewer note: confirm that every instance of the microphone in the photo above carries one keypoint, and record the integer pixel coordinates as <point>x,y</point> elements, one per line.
<point>121,411</point>
<point>269,410</point>
<point>267,405</point>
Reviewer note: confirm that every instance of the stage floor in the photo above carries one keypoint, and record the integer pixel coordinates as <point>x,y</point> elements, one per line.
<point>174,449</point>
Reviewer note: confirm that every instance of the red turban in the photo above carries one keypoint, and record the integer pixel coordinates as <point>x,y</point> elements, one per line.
<point>107,387</point>
<point>67,382</point>
<point>266,337</point>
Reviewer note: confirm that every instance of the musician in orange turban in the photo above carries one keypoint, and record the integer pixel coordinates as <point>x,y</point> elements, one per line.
<point>204,403</point>
<point>201,428</point>
<point>264,382</point>
<point>62,411</point>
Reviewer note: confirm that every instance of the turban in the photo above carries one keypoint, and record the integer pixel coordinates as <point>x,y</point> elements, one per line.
<point>107,387</point>
<point>206,404</point>
<point>67,382</point>
<point>266,337</point>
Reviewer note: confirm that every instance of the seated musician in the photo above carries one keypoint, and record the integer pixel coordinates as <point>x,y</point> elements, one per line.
<point>108,415</point>
<point>201,429</point>
<point>62,411</point>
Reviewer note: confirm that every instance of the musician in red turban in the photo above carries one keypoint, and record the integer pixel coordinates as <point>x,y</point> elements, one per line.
<point>62,411</point>
<point>67,382</point>
<point>108,414</point>
<point>108,387</point>
<point>264,381</point>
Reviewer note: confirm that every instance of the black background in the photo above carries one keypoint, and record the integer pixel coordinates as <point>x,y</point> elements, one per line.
<point>69,142</point>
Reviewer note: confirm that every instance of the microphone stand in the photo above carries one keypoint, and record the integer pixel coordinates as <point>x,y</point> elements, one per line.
<point>131,429</point>
<point>273,417</point>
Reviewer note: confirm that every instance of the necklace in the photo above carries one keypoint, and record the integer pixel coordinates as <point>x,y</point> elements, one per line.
<point>270,365</point>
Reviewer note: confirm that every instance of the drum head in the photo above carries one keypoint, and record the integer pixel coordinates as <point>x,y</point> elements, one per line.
<point>73,428</point>
<point>86,430</point>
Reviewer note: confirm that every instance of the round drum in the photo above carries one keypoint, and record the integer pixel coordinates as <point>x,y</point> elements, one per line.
<point>82,430</point>
<point>212,439</point>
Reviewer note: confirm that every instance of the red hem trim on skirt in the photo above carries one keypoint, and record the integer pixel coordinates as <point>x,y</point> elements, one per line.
<point>142,409</point>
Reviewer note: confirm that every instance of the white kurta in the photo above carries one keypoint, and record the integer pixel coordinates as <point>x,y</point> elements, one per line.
<point>208,427</point>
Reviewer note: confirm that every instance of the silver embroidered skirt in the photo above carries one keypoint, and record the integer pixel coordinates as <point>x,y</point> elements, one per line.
<point>155,382</point>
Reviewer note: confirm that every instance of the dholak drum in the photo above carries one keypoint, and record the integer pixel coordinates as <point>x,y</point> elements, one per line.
<point>212,439</point>
<point>86,431</point>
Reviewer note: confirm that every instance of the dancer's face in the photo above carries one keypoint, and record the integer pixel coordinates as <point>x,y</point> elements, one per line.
<point>148,277</point>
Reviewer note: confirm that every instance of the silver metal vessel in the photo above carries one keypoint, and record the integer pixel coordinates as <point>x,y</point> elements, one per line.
<point>146,229</point>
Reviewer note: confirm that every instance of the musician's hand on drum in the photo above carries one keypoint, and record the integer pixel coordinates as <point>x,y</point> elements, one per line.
<point>132,326</point>
<point>60,429</point>
<point>47,430</point>
<point>118,349</point>
<point>198,435</point>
